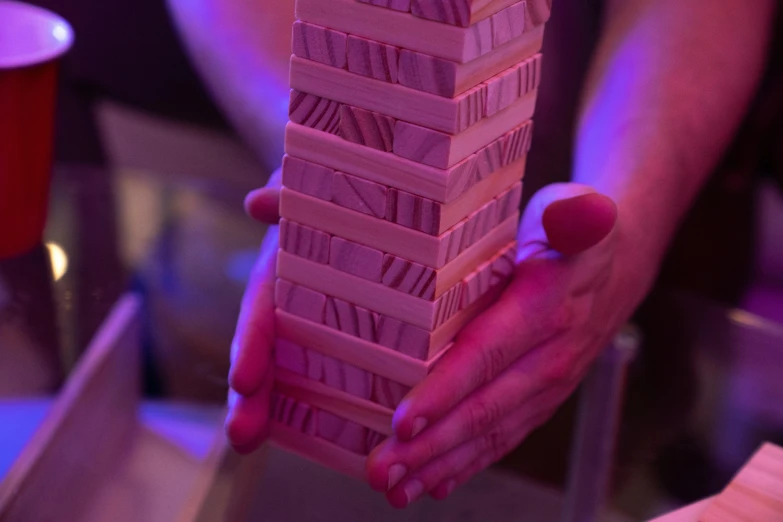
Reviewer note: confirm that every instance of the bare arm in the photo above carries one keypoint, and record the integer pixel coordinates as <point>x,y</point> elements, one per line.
<point>242,51</point>
<point>669,86</point>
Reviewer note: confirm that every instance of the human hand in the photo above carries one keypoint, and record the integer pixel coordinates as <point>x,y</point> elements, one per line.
<point>514,365</point>
<point>251,375</point>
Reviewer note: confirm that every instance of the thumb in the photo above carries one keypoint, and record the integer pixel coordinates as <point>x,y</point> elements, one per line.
<point>568,218</point>
<point>264,204</point>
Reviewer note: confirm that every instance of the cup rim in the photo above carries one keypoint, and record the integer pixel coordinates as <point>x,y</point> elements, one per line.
<point>61,37</point>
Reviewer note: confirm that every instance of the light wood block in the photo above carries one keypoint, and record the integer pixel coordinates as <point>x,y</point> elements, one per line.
<point>504,88</point>
<point>359,194</point>
<point>353,258</point>
<point>428,73</point>
<point>308,178</point>
<point>294,414</point>
<point>463,13</point>
<point>373,296</point>
<point>450,115</point>
<point>510,201</point>
<point>386,169</point>
<point>313,42</point>
<point>314,112</point>
<point>300,300</point>
<point>367,128</point>
<point>507,150</point>
<point>755,494</point>
<point>351,319</point>
<point>409,277</point>
<point>341,377</point>
<point>377,359</point>
<point>414,212</point>
<point>370,414</point>
<point>431,251</point>
<point>443,150</point>
<point>303,241</point>
<point>317,450</point>
<point>374,59</point>
<point>495,272</point>
<point>458,44</point>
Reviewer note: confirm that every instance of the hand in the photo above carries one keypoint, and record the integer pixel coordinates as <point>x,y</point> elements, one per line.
<point>251,375</point>
<point>514,365</point>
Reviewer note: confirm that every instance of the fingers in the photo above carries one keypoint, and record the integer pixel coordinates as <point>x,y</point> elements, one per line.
<point>530,312</point>
<point>247,423</point>
<point>264,204</point>
<point>251,349</point>
<point>567,218</point>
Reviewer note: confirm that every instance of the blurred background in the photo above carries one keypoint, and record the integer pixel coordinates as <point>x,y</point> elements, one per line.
<point>148,192</point>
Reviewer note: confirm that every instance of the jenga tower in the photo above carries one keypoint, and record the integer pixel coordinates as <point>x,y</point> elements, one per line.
<point>410,122</point>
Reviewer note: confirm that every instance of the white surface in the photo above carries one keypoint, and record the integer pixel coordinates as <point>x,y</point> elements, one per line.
<point>31,35</point>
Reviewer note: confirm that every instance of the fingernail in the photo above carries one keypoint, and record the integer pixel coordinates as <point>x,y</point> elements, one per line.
<point>450,486</point>
<point>418,426</point>
<point>396,474</point>
<point>413,490</point>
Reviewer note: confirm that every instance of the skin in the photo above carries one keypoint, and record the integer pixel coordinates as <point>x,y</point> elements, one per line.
<point>669,85</point>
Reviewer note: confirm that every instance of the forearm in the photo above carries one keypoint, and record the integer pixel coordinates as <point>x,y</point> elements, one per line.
<point>670,84</point>
<point>242,51</point>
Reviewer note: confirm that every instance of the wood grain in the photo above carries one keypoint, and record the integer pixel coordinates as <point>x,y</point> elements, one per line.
<point>367,128</point>
<point>303,241</point>
<point>323,45</point>
<point>359,194</point>
<point>409,277</point>
<point>374,59</point>
<point>300,300</point>
<point>441,185</point>
<point>314,112</point>
<point>451,115</point>
<point>443,150</point>
<point>435,75</point>
<point>397,5</point>
<point>294,414</point>
<point>351,319</point>
<point>353,258</point>
<point>308,178</point>
<point>463,13</point>
<point>413,211</point>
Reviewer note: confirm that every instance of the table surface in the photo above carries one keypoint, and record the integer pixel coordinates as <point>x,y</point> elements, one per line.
<point>701,398</point>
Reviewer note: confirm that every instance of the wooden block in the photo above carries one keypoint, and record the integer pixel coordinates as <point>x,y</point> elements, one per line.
<point>431,251</point>
<point>346,434</point>
<point>409,277</point>
<point>450,115</point>
<point>361,411</point>
<point>386,169</point>
<point>351,319</point>
<point>495,272</point>
<point>508,24</point>
<point>428,73</point>
<point>442,150</point>
<point>463,13</point>
<point>388,393</point>
<point>299,300</point>
<point>353,258</point>
<point>317,450</point>
<point>373,296</point>
<point>509,202</point>
<point>517,143</point>
<point>755,494</point>
<point>507,150</point>
<point>458,44</point>
<point>413,211</point>
<point>402,337</point>
<point>303,241</point>
<point>296,415</point>
<point>375,358</point>
<point>313,42</point>
<point>367,128</point>
<point>294,358</point>
<point>397,5</point>
<point>506,87</point>
<point>374,59</point>
<point>308,178</point>
<point>359,194</point>
<point>314,112</point>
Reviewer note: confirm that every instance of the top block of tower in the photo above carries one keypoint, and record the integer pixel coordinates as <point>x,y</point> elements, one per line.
<point>429,27</point>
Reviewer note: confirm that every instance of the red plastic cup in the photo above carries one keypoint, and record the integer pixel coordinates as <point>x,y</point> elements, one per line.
<point>31,42</point>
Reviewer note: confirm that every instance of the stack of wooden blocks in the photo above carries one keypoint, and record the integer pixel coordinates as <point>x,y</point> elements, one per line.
<point>410,123</point>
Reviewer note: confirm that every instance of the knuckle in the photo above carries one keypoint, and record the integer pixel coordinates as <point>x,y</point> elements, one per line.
<point>481,415</point>
<point>493,361</point>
